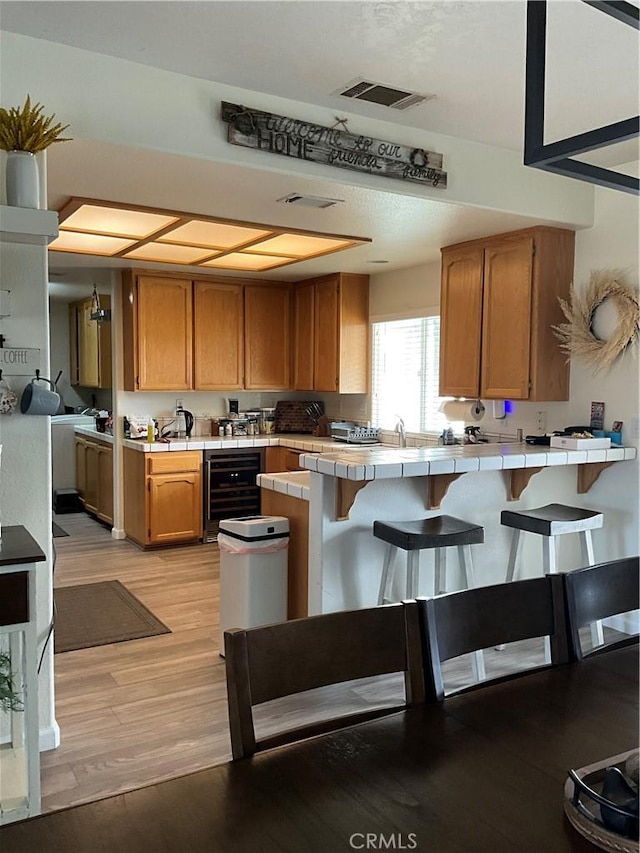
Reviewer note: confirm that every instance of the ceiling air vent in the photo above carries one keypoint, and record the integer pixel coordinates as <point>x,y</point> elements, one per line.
<point>378,93</point>
<point>310,200</point>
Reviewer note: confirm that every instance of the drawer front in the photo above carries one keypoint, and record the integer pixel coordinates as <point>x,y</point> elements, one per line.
<point>174,462</point>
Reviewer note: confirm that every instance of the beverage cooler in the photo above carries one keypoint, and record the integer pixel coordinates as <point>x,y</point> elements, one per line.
<point>230,487</point>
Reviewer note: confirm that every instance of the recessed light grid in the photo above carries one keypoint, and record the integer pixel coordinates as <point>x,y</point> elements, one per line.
<point>109,229</point>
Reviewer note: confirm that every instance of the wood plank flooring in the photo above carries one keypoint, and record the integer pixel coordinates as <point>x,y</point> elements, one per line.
<point>135,713</point>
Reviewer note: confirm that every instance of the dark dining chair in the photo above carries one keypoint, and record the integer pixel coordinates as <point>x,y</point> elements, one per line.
<point>291,657</point>
<point>462,622</point>
<point>597,592</point>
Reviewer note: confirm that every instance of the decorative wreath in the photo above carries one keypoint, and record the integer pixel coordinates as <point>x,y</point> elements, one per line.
<point>577,336</point>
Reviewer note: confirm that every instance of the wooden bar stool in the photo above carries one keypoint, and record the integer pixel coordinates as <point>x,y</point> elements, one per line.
<point>551,521</point>
<point>436,534</point>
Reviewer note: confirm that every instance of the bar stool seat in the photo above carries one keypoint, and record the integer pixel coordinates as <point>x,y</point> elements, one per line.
<point>436,533</point>
<point>441,531</point>
<point>551,521</point>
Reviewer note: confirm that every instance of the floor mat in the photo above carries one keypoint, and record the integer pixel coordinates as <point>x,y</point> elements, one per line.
<point>96,614</point>
<point>58,531</point>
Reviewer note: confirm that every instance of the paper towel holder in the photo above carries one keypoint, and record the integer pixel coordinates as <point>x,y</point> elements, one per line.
<point>459,408</point>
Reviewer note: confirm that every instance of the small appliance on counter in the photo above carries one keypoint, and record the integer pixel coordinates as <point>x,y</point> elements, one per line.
<point>353,434</point>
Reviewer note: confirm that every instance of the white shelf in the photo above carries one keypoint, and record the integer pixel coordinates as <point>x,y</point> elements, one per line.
<point>25,225</point>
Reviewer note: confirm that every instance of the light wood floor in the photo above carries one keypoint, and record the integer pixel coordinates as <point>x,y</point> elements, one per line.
<point>139,712</point>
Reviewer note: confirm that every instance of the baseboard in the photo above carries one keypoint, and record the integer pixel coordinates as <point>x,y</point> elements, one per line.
<point>118,533</point>
<point>50,737</point>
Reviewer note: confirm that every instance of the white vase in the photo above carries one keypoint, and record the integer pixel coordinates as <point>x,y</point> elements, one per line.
<point>23,180</point>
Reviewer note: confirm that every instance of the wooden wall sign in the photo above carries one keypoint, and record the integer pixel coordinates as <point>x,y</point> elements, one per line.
<point>19,362</point>
<point>317,144</point>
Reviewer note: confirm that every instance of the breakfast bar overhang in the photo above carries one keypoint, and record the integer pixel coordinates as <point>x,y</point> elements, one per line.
<point>350,490</point>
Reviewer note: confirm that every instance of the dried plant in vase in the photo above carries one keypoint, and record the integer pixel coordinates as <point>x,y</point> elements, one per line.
<point>27,129</point>
<point>24,132</point>
<point>577,336</point>
<point>9,699</point>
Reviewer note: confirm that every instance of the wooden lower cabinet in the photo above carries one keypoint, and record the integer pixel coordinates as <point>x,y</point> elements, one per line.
<point>163,497</point>
<point>94,477</point>
<point>297,511</point>
<point>279,459</point>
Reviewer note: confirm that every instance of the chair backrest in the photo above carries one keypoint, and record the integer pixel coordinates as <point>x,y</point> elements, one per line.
<point>597,592</point>
<point>291,657</point>
<point>479,618</point>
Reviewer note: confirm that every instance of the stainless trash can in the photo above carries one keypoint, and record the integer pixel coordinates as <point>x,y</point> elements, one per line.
<point>253,571</point>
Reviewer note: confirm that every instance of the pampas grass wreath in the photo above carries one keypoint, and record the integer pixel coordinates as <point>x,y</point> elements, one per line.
<point>577,336</point>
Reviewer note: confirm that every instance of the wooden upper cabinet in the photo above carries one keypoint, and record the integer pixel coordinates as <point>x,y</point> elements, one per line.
<point>303,335</point>
<point>340,334</point>
<point>90,345</point>
<point>267,339</point>
<point>506,319</point>
<point>460,322</point>
<point>157,333</point>
<point>327,341</point>
<point>508,287</point>
<point>218,336</point>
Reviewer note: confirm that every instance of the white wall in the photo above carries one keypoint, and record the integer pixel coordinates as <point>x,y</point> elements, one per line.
<point>25,475</point>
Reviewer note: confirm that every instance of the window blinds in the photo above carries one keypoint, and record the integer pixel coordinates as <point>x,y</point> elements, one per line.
<point>405,374</point>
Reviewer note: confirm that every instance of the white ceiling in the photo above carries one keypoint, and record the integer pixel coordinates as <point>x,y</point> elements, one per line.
<point>469,54</point>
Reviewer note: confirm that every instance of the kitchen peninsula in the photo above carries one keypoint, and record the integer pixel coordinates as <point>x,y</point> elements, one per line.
<point>348,490</point>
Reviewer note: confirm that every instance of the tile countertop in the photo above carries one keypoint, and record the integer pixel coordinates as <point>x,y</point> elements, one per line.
<point>383,462</point>
<point>296,441</point>
<point>296,484</point>
<point>93,433</point>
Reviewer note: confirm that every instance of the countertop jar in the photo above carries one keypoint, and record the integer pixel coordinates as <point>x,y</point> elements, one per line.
<point>267,421</point>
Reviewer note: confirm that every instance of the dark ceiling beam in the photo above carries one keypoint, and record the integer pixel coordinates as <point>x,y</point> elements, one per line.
<point>626,13</point>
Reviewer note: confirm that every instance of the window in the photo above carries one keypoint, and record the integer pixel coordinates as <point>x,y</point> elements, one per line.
<point>406,355</point>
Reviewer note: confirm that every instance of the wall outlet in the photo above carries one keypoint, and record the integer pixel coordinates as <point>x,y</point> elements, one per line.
<point>179,403</point>
<point>541,421</point>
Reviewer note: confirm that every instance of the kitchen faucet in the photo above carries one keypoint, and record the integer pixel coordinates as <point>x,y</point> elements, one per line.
<point>402,435</point>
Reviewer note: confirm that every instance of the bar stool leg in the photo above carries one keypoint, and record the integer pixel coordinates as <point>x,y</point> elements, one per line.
<point>440,572</point>
<point>385,580</point>
<point>413,573</point>
<point>477,658</point>
<point>549,566</point>
<point>513,554</point>
<point>597,634</point>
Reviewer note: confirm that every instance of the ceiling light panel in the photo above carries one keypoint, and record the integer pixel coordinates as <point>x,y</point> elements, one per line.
<point>299,245</point>
<point>169,254</point>
<point>107,229</point>
<point>89,244</point>
<point>116,222</point>
<point>245,261</point>
<point>214,235</point>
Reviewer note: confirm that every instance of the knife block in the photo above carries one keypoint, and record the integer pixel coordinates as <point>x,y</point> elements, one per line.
<point>321,429</point>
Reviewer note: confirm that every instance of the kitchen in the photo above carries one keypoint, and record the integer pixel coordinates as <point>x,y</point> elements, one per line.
<point>604,239</point>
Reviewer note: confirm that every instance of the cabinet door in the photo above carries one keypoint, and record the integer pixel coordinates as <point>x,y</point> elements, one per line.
<point>175,507</point>
<point>326,344</point>
<point>460,322</point>
<point>218,336</point>
<point>81,467</point>
<point>92,471</point>
<point>267,337</point>
<point>164,318</point>
<point>88,348</point>
<point>74,376</point>
<point>105,484</point>
<point>353,351</point>
<point>506,319</point>
<point>303,335</point>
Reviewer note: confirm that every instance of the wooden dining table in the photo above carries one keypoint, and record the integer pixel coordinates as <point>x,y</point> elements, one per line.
<point>482,771</point>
